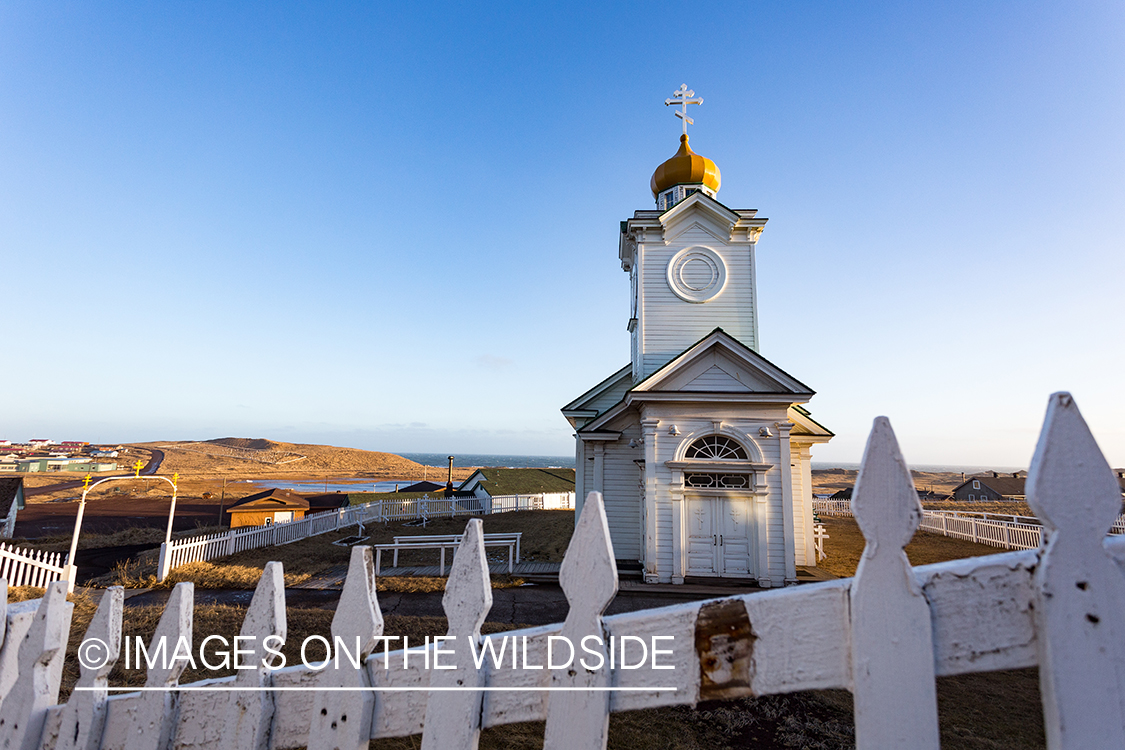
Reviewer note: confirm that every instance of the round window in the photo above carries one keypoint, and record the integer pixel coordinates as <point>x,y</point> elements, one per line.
<point>697,274</point>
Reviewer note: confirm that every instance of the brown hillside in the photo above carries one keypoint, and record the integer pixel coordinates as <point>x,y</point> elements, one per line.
<point>261,457</point>
<point>254,444</point>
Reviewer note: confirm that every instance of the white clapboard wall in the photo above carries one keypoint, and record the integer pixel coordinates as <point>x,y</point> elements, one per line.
<point>884,635</point>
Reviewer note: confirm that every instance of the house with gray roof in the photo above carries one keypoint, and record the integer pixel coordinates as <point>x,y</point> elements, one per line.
<point>992,489</point>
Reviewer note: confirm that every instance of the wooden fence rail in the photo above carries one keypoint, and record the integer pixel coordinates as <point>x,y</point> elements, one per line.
<point>884,635</point>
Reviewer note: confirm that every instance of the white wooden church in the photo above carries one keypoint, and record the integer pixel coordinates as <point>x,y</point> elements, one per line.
<point>700,446</point>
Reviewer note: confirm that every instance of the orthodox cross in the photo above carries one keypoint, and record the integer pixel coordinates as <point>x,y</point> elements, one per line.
<point>683,97</point>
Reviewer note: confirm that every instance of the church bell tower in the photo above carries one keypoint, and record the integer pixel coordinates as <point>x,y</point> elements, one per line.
<point>690,262</point>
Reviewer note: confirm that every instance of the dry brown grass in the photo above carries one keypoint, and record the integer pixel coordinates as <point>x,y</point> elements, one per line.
<point>831,480</point>
<point>845,545</point>
<point>1014,509</point>
<point>800,720</point>
<point>23,593</point>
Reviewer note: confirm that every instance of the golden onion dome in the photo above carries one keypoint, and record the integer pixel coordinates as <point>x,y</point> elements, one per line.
<point>686,167</point>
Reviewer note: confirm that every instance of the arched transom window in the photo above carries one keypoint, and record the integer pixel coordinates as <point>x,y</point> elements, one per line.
<point>716,447</point>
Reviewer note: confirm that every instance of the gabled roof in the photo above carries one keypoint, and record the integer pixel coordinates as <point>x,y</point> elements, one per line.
<point>719,368</point>
<point>806,427</point>
<point>521,481</point>
<point>601,396</point>
<point>720,363</point>
<point>271,500</point>
<point>1002,485</point>
<point>328,501</point>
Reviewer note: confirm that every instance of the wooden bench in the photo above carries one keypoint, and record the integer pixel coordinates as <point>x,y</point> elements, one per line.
<point>456,539</point>
<point>443,543</point>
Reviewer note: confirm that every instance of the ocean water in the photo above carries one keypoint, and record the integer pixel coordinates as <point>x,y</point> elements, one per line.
<point>493,459</point>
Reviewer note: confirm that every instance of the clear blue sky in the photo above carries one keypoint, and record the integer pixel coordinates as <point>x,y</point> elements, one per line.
<point>394,226</point>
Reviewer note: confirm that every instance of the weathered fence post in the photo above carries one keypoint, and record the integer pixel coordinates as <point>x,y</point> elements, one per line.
<point>891,633</point>
<point>150,721</point>
<point>453,718</point>
<point>580,719</point>
<point>250,713</point>
<point>79,724</point>
<point>1080,602</point>
<point>341,720</point>
<point>31,666</point>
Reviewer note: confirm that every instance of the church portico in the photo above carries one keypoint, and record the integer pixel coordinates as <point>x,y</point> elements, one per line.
<point>701,446</point>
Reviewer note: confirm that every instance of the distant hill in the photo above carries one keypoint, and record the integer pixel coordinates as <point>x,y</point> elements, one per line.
<point>257,444</point>
<point>249,456</point>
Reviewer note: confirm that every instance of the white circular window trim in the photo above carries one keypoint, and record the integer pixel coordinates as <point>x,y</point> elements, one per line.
<point>706,278</point>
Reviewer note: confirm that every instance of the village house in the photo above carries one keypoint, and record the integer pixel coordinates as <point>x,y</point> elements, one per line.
<point>992,488</point>
<point>271,506</point>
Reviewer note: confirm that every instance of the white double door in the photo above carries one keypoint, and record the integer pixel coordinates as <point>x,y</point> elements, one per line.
<point>721,534</point>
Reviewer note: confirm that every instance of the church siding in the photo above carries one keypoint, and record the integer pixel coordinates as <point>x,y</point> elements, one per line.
<point>622,493</point>
<point>669,325</point>
<point>799,518</point>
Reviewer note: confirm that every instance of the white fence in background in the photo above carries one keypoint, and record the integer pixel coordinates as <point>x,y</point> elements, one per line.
<point>884,635</point>
<point>29,567</point>
<point>211,546</point>
<point>542,501</point>
<point>1022,532</point>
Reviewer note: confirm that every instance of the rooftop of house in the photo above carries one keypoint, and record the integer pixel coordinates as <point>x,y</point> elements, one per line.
<point>422,487</point>
<point>522,481</point>
<point>271,499</point>
<point>9,492</point>
<point>1003,484</point>
<point>327,501</point>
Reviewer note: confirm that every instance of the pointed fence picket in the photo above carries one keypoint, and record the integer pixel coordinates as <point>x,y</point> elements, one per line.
<point>885,635</point>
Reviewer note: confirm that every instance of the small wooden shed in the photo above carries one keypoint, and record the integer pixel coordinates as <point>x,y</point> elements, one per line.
<point>271,506</point>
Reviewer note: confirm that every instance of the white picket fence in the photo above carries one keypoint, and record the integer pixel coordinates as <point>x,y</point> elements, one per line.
<point>884,635</point>
<point>211,546</point>
<point>541,501</point>
<point>30,567</point>
<point>1023,532</point>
